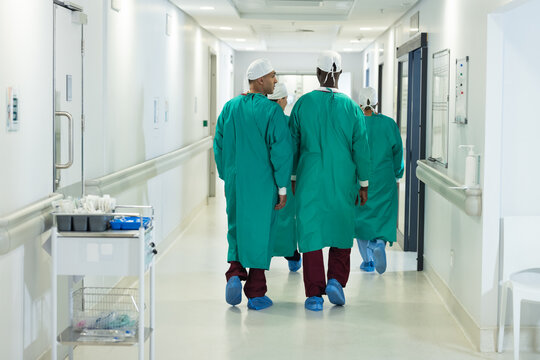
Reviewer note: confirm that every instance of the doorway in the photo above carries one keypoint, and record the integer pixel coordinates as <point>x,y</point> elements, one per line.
<point>411,119</point>
<point>212,103</point>
<point>68,86</point>
<point>380,88</point>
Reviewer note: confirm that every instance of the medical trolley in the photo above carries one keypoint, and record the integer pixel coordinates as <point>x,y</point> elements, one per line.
<point>115,253</point>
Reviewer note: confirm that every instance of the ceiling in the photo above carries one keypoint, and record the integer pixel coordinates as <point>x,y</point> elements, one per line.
<point>296,25</point>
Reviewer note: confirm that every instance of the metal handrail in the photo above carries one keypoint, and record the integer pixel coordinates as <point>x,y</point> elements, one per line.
<point>35,219</point>
<point>26,223</point>
<point>124,178</point>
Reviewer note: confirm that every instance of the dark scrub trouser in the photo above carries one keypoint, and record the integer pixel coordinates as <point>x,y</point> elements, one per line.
<point>339,267</point>
<point>255,282</point>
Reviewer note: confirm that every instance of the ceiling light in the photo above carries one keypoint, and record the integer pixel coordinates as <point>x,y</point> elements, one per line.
<point>348,49</point>
<point>225,28</point>
<point>207,8</point>
<point>355,41</point>
<point>365,29</point>
<point>250,49</point>
<point>240,40</point>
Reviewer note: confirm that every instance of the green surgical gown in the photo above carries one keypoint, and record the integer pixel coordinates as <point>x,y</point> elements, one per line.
<point>253,152</point>
<point>378,217</point>
<point>331,156</point>
<point>284,229</point>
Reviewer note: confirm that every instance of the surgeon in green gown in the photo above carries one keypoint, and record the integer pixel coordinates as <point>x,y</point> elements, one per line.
<point>284,229</point>
<point>331,165</point>
<point>375,223</point>
<point>253,152</point>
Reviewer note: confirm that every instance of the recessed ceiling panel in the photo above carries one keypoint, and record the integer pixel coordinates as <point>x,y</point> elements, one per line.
<point>297,25</point>
<point>294,9</point>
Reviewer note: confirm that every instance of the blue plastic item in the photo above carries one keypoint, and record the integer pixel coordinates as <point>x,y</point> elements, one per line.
<point>259,303</point>
<point>314,303</point>
<point>334,290</point>
<point>233,291</point>
<point>116,224</point>
<point>134,223</point>
<point>129,223</point>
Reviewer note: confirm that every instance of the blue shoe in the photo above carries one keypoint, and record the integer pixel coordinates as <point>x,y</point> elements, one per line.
<point>294,266</point>
<point>379,255</point>
<point>367,266</point>
<point>259,303</point>
<point>233,291</point>
<point>314,303</point>
<point>334,290</point>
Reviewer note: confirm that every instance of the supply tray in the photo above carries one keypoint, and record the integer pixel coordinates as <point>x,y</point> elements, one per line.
<point>100,222</point>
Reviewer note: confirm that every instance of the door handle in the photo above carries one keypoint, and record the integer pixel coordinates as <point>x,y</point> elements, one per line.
<point>70,139</point>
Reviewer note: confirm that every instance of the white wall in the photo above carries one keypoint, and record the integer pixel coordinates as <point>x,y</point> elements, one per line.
<point>462,28</point>
<point>513,79</point>
<point>301,62</point>
<point>129,61</point>
<point>26,169</point>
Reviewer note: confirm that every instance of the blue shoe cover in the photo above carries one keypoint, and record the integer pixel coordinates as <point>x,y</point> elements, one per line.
<point>314,303</point>
<point>367,266</point>
<point>334,290</point>
<point>295,265</point>
<point>379,255</point>
<point>259,303</point>
<point>233,291</point>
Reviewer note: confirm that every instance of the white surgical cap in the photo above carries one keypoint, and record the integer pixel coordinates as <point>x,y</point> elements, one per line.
<point>327,59</point>
<point>280,91</point>
<point>368,94</point>
<point>259,68</point>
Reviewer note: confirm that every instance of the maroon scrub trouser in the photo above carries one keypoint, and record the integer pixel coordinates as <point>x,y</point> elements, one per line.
<point>255,282</point>
<point>339,267</point>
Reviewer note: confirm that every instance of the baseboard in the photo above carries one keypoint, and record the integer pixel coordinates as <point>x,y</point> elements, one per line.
<point>455,308</point>
<point>482,339</point>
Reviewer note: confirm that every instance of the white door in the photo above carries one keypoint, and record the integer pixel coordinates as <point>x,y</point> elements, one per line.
<point>68,100</point>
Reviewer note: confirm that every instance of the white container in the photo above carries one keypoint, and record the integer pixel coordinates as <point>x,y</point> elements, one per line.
<point>471,167</point>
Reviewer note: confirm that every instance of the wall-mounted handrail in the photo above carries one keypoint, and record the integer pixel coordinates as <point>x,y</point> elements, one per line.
<point>36,218</point>
<point>26,223</point>
<point>468,200</point>
<point>120,180</point>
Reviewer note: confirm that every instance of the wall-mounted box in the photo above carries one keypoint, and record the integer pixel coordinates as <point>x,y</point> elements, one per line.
<point>12,109</point>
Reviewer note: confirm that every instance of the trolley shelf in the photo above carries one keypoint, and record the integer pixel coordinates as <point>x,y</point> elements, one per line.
<point>107,234</point>
<point>72,337</point>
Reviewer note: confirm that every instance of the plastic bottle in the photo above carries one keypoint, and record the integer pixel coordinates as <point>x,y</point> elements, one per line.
<point>471,164</point>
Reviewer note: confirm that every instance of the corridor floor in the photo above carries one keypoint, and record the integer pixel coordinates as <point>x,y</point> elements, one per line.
<point>394,316</point>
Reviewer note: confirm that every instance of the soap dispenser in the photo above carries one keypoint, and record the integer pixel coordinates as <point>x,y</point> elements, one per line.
<point>471,167</point>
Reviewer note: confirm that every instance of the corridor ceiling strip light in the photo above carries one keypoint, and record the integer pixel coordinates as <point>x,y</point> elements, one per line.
<point>207,8</point>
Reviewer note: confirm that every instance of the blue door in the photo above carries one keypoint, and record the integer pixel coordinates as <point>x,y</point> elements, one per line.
<point>415,150</point>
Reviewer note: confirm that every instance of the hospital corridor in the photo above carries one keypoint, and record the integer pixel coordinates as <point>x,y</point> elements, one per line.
<point>269,179</point>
